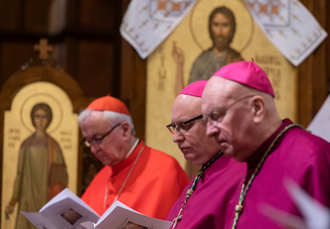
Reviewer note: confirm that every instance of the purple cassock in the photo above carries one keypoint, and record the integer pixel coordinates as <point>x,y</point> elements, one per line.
<point>211,205</point>
<point>298,155</point>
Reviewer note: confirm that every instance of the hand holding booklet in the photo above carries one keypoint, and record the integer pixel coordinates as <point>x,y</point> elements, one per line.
<point>66,210</point>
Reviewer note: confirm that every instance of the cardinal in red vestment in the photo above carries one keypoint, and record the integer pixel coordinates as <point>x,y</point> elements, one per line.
<point>144,179</point>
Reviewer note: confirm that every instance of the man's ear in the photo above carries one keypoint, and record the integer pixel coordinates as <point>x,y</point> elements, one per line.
<point>126,130</point>
<point>258,108</point>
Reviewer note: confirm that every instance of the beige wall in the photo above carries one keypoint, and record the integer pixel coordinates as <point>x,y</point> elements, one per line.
<point>249,41</point>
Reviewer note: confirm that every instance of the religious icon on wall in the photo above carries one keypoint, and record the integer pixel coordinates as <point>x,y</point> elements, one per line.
<point>40,138</point>
<point>41,170</point>
<point>221,28</point>
<point>214,33</point>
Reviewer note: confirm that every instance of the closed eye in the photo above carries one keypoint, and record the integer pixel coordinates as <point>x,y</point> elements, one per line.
<point>188,125</point>
<point>182,127</point>
<point>214,116</point>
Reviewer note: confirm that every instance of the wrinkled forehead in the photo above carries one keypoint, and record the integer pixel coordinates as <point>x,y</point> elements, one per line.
<point>94,125</point>
<point>218,88</point>
<point>219,92</point>
<point>185,107</point>
<point>95,119</point>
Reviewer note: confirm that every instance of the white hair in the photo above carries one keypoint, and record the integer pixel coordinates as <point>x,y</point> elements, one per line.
<point>112,118</point>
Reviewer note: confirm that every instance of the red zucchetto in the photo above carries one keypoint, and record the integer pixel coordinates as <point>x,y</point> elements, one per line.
<point>108,103</point>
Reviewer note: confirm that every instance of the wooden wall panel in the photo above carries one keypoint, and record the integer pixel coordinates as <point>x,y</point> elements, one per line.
<point>133,83</point>
<point>97,14</point>
<point>327,49</point>
<point>95,68</point>
<point>36,16</point>
<point>10,15</point>
<point>12,56</point>
<point>71,55</point>
<point>88,48</point>
<point>312,73</point>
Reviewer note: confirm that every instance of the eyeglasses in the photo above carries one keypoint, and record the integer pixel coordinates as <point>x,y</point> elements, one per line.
<point>182,126</point>
<point>215,117</point>
<point>97,141</point>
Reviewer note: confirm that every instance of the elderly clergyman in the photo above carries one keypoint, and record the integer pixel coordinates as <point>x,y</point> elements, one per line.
<point>207,201</point>
<point>145,179</point>
<point>238,102</point>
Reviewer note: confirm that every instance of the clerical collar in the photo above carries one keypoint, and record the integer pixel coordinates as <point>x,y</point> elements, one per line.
<point>129,160</point>
<point>253,160</point>
<point>250,177</point>
<point>133,148</point>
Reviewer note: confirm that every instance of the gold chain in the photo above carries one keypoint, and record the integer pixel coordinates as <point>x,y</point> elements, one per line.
<point>123,185</point>
<point>244,190</point>
<point>190,191</point>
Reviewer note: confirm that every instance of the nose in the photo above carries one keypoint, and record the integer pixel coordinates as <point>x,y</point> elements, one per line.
<point>211,129</point>
<point>94,148</point>
<point>177,136</point>
<point>220,29</point>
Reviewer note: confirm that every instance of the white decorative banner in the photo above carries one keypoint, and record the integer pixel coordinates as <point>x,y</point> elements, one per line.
<point>291,28</point>
<point>320,125</point>
<point>147,23</point>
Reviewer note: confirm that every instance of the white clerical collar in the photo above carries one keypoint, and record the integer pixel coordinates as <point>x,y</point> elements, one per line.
<point>133,147</point>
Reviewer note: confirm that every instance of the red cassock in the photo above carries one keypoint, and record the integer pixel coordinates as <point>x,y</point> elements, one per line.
<point>155,183</point>
<point>297,155</point>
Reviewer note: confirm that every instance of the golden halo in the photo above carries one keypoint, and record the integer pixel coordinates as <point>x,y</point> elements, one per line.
<point>240,42</point>
<point>36,98</point>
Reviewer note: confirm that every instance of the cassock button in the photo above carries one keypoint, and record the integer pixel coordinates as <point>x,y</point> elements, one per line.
<point>110,192</point>
<point>113,180</point>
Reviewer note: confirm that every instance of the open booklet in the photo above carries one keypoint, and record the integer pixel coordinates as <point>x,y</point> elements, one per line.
<point>119,216</point>
<point>66,210</point>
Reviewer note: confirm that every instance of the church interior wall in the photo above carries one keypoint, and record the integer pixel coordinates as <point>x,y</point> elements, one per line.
<point>88,46</point>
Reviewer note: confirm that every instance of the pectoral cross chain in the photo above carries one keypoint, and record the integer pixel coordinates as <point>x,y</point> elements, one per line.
<point>190,191</point>
<point>177,219</point>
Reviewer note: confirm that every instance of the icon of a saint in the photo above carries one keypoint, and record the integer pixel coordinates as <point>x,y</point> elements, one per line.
<point>41,170</point>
